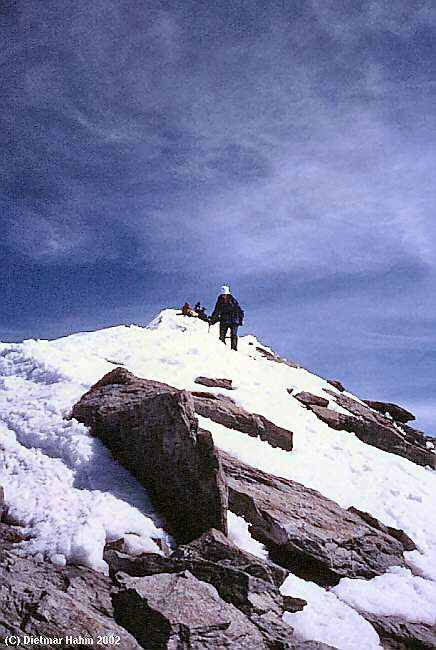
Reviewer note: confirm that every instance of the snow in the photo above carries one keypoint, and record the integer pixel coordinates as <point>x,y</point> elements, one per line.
<point>65,490</point>
<point>414,600</point>
<point>239,534</point>
<point>325,618</point>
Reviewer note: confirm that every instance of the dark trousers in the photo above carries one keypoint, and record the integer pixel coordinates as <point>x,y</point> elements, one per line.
<point>233,335</point>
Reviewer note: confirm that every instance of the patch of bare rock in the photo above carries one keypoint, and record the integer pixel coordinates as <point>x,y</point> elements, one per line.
<point>207,594</point>
<point>272,356</point>
<point>152,430</point>
<point>397,634</point>
<point>222,409</point>
<point>215,382</point>
<point>369,422</point>
<point>304,531</point>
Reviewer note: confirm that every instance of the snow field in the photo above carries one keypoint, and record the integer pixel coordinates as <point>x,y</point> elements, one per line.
<point>65,490</point>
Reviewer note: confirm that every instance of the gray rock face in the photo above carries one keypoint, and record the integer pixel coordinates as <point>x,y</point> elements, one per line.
<point>272,356</point>
<point>397,634</point>
<point>400,535</point>
<point>2,502</point>
<point>214,383</point>
<point>241,579</point>
<point>37,598</point>
<point>249,584</point>
<point>223,410</point>
<point>308,399</point>
<point>177,611</point>
<point>305,532</point>
<point>336,383</point>
<point>152,430</point>
<point>398,413</point>
<point>375,429</point>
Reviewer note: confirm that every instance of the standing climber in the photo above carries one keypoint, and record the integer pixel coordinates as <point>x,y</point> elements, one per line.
<point>229,314</point>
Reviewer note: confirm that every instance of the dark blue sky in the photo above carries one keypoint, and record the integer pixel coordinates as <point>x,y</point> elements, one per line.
<point>152,151</point>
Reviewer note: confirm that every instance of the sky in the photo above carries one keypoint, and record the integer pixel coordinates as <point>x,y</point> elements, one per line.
<point>152,151</point>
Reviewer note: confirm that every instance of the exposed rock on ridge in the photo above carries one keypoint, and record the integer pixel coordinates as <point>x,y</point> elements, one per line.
<point>310,535</point>
<point>222,409</point>
<point>152,430</point>
<point>375,429</point>
<point>398,413</point>
<point>214,383</point>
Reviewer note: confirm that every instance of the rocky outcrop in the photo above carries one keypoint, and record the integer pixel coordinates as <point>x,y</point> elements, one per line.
<point>215,383</point>
<point>222,409</point>
<point>272,356</point>
<point>375,429</point>
<point>152,430</point>
<point>2,502</point>
<point>308,399</point>
<point>150,601</point>
<point>212,558</point>
<point>404,539</point>
<point>336,383</point>
<point>176,610</point>
<point>213,584</point>
<point>397,413</point>
<point>310,535</point>
<point>36,598</point>
<point>397,634</point>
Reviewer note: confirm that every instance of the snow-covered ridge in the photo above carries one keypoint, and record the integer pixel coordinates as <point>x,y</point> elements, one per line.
<point>65,490</point>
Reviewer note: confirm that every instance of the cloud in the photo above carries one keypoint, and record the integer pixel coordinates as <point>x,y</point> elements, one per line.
<point>274,137</point>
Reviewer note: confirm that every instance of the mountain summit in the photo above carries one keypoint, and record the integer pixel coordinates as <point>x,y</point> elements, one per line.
<point>120,449</point>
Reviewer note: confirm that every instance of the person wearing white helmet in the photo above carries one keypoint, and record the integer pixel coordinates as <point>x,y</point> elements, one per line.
<point>229,314</point>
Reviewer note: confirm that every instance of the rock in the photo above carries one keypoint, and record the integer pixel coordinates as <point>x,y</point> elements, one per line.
<point>304,532</point>
<point>222,409</point>
<point>407,543</point>
<point>272,356</point>
<point>398,413</point>
<point>152,430</point>
<point>376,429</point>
<point>308,399</point>
<point>176,610</point>
<point>39,599</point>
<point>2,502</point>
<point>293,605</point>
<point>241,579</point>
<point>233,584</point>
<point>397,634</point>
<point>333,419</point>
<point>336,383</point>
<point>215,547</point>
<point>214,383</point>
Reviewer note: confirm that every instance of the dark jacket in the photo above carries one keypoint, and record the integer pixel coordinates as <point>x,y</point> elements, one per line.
<point>228,313</point>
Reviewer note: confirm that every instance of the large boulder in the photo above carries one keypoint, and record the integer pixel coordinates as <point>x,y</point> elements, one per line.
<point>240,579</point>
<point>375,429</point>
<point>398,413</point>
<point>272,356</point>
<point>309,399</point>
<point>39,599</point>
<point>214,382</point>
<point>2,502</point>
<point>397,634</point>
<point>337,384</point>
<point>176,610</point>
<point>404,539</point>
<point>308,534</point>
<point>222,409</point>
<point>152,430</point>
